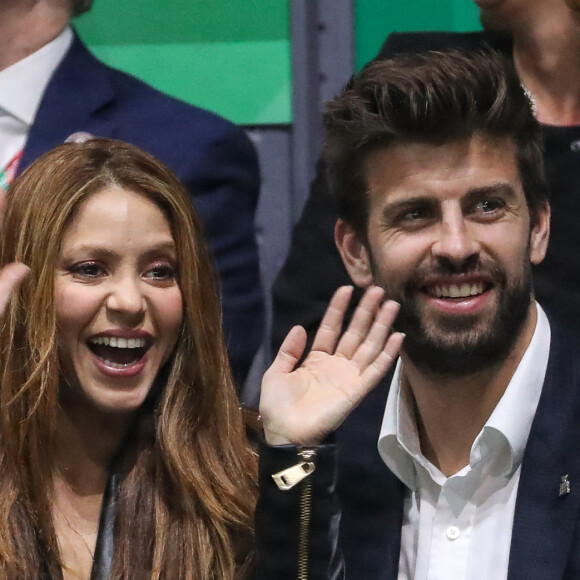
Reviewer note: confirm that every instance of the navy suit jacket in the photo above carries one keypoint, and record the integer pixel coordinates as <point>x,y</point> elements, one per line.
<point>546,536</point>
<point>213,158</point>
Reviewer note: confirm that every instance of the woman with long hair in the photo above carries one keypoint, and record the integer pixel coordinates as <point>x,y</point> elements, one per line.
<point>123,452</point>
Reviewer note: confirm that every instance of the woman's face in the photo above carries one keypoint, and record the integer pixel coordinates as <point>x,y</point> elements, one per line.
<point>118,302</point>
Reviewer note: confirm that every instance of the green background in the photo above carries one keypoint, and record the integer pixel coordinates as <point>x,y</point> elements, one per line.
<point>233,56</point>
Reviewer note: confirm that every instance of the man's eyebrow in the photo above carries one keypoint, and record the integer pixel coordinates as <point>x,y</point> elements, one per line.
<point>501,188</point>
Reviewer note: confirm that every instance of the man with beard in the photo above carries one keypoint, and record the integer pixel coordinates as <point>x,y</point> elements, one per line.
<point>542,38</point>
<point>435,163</point>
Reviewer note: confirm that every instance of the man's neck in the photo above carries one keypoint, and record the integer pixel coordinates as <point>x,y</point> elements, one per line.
<point>28,25</point>
<point>451,411</point>
<point>546,49</point>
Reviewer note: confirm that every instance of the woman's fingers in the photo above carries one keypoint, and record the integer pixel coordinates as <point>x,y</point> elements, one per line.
<point>373,373</point>
<point>331,325</point>
<point>376,337</point>
<point>361,322</point>
<point>10,277</point>
<point>290,352</point>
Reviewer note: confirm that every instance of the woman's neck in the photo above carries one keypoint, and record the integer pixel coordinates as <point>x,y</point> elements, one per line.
<point>86,442</point>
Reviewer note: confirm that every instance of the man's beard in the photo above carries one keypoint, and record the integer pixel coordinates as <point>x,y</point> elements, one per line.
<point>462,345</point>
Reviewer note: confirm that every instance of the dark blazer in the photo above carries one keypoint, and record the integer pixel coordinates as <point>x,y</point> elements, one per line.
<point>313,268</point>
<point>213,158</point>
<point>545,540</point>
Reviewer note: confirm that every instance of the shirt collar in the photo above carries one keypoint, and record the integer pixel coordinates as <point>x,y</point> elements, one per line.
<point>510,421</point>
<point>22,85</point>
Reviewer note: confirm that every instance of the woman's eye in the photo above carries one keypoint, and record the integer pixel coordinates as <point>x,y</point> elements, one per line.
<point>87,270</point>
<point>161,272</point>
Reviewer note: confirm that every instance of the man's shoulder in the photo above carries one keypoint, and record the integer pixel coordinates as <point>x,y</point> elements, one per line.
<point>565,341</point>
<point>133,98</point>
<point>412,42</point>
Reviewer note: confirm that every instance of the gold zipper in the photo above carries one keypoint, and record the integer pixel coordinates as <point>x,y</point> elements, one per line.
<point>308,455</point>
<point>287,479</point>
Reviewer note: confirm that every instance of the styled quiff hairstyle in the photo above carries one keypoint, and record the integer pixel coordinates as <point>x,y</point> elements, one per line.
<point>187,480</point>
<point>433,97</point>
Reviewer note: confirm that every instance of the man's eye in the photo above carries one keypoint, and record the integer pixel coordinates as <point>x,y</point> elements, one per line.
<point>415,214</point>
<point>488,205</point>
<point>87,270</point>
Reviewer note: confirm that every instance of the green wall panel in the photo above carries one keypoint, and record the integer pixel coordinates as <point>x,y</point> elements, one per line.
<point>229,56</point>
<point>375,19</point>
<point>233,56</point>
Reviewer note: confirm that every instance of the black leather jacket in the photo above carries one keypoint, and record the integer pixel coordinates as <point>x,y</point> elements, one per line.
<point>280,520</point>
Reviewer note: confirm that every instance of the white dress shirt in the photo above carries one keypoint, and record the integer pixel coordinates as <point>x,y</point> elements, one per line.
<point>22,86</point>
<point>459,527</point>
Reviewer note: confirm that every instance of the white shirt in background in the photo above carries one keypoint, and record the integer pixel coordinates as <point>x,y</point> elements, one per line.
<point>22,86</point>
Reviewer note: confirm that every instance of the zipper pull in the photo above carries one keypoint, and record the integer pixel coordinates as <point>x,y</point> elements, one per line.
<point>288,478</point>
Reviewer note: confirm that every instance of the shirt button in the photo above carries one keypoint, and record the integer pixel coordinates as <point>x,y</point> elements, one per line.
<point>575,146</point>
<point>452,532</point>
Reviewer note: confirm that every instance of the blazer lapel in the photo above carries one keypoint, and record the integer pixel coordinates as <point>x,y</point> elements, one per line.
<point>78,90</point>
<point>371,496</point>
<point>546,512</point>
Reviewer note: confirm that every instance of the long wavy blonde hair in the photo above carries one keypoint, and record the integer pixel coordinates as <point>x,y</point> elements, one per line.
<point>188,479</point>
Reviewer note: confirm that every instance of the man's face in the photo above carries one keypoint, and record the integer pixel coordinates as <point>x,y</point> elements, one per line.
<point>449,237</point>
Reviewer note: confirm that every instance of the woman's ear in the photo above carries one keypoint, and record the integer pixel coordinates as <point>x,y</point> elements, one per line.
<point>354,254</point>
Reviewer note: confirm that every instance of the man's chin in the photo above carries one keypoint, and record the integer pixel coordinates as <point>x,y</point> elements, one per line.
<point>461,357</point>
<point>461,345</point>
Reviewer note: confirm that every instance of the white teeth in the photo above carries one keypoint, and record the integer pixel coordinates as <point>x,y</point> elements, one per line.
<point>119,342</point>
<point>458,291</point>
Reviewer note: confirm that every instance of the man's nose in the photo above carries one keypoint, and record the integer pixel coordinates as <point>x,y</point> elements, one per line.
<point>456,241</point>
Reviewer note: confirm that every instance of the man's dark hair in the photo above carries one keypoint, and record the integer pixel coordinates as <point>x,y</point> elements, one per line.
<point>78,7</point>
<point>433,97</point>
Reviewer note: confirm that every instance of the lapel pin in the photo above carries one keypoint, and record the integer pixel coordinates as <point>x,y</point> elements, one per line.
<point>79,137</point>
<point>564,486</point>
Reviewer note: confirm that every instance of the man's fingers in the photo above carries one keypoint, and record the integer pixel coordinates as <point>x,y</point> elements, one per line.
<point>10,277</point>
<point>331,325</point>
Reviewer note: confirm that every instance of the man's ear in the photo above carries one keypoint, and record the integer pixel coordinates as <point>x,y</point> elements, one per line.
<point>540,234</point>
<point>354,254</point>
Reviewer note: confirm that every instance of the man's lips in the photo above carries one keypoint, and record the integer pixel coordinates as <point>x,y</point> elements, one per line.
<point>457,290</point>
<point>458,296</point>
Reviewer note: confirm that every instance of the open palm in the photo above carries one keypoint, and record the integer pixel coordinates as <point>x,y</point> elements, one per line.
<point>302,405</point>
